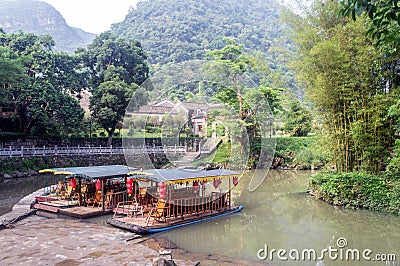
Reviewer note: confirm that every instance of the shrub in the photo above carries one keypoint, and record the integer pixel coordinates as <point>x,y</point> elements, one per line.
<point>357,189</point>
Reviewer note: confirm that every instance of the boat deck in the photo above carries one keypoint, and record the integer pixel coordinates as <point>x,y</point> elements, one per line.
<point>138,223</point>
<point>70,208</point>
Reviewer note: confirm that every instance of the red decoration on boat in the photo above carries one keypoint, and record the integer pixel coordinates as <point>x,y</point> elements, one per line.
<point>129,186</point>
<point>73,183</point>
<point>129,181</point>
<point>195,185</point>
<point>217,182</point>
<point>161,185</point>
<point>162,196</point>
<point>162,190</point>
<point>98,184</point>
<point>129,191</point>
<point>235,181</point>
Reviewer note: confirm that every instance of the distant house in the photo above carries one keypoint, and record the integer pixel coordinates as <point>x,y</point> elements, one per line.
<point>194,114</point>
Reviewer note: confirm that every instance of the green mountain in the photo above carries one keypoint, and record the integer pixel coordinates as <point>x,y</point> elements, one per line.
<point>41,18</point>
<point>180,30</point>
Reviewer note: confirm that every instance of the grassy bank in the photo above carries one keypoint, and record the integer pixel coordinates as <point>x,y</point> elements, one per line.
<point>357,190</point>
<point>291,152</point>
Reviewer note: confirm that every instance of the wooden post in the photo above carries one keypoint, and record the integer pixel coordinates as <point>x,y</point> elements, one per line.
<point>79,190</point>
<point>229,195</point>
<point>102,195</point>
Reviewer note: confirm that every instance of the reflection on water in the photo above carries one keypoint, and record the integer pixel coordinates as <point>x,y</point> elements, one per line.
<point>11,191</point>
<point>281,215</point>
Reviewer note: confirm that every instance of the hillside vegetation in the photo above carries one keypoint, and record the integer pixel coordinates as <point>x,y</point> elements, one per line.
<point>176,31</point>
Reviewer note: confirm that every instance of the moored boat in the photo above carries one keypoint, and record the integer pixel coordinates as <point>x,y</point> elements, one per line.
<point>175,198</point>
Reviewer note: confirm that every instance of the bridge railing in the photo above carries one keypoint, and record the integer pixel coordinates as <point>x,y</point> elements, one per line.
<point>87,150</point>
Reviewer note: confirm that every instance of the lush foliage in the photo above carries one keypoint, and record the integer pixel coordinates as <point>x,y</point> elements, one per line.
<point>176,31</point>
<point>228,70</point>
<point>383,17</point>
<point>126,56</point>
<point>301,152</point>
<point>36,86</point>
<point>358,190</point>
<point>116,68</point>
<point>297,119</point>
<point>351,84</point>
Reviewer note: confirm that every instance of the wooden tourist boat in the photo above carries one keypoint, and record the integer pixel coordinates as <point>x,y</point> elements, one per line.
<point>86,191</point>
<point>174,198</point>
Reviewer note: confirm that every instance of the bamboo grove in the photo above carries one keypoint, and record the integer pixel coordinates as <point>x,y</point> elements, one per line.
<point>352,84</point>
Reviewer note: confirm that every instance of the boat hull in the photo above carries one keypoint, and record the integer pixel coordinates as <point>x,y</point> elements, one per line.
<point>144,230</point>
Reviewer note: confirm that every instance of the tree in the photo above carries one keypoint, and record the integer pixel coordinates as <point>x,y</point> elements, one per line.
<point>349,86</point>
<point>232,64</point>
<point>37,83</point>
<point>107,50</point>
<point>116,67</point>
<point>255,105</point>
<point>384,17</point>
<point>298,119</point>
<point>109,101</point>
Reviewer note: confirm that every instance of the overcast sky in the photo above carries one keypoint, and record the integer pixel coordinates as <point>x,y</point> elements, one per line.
<point>93,16</point>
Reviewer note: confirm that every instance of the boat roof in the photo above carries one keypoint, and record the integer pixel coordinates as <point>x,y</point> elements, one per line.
<point>184,175</point>
<point>92,172</point>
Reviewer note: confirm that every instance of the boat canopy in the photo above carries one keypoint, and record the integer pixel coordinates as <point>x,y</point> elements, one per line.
<point>178,176</point>
<point>92,172</point>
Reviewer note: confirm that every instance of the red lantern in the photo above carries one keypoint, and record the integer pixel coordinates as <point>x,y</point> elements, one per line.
<point>195,185</point>
<point>129,186</point>
<point>162,196</point>
<point>217,182</point>
<point>162,190</point>
<point>73,183</point>
<point>235,181</point>
<point>161,185</point>
<point>129,191</point>
<point>129,181</point>
<point>98,184</point>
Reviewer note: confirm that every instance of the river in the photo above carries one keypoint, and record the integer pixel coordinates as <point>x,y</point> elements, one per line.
<point>13,190</point>
<point>278,215</point>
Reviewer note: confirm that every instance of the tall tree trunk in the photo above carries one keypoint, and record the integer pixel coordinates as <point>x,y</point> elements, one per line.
<point>110,133</point>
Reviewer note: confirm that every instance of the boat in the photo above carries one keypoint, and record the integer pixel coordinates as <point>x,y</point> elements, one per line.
<point>174,198</point>
<point>86,191</point>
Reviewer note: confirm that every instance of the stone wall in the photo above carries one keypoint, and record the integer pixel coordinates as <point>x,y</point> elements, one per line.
<point>23,167</point>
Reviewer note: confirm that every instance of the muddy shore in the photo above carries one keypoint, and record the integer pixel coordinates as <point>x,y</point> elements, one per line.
<point>55,241</point>
<point>29,238</point>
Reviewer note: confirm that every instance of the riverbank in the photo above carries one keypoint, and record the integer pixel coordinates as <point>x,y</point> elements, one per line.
<point>59,241</point>
<point>357,190</point>
<point>38,240</point>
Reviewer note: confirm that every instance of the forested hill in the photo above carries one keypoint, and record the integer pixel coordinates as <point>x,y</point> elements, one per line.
<point>41,18</point>
<point>180,30</point>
